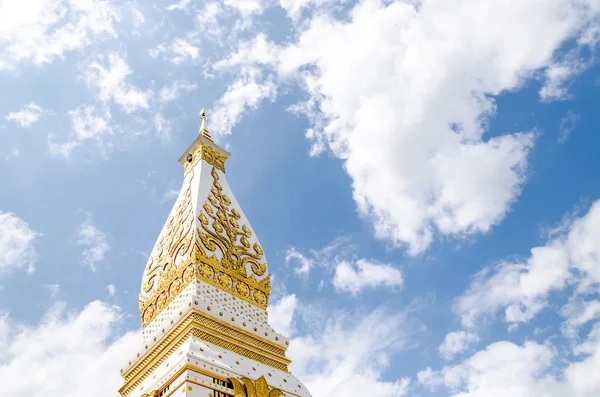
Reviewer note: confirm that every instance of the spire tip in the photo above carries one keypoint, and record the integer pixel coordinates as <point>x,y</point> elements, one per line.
<point>203,127</point>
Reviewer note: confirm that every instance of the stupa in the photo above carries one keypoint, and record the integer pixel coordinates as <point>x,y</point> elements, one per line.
<point>204,297</point>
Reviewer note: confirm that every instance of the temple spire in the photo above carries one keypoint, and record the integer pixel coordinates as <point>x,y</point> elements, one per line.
<point>203,127</point>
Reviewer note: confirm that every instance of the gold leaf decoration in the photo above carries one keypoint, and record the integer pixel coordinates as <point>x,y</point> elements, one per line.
<point>208,154</point>
<point>221,232</point>
<point>248,388</point>
<point>224,231</point>
<point>175,241</point>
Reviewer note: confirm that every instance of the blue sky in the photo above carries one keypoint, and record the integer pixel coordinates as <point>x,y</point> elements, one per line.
<point>423,177</point>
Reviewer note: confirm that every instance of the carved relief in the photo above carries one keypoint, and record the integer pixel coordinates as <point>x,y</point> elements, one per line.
<point>245,387</point>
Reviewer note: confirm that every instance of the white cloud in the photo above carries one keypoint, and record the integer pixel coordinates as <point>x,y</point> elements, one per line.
<point>558,74</point>
<point>17,250</point>
<point>207,19</point>
<point>531,369</point>
<point>170,93</point>
<point>171,193</point>
<point>248,91</point>
<point>578,312</point>
<point>27,116</point>
<point>88,123</point>
<point>281,315</point>
<point>137,18</point>
<point>354,277</point>
<point>294,8</point>
<point>502,368</point>
<point>456,342</point>
<point>15,153</point>
<point>246,7</point>
<point>177,52</point>
<point>94,241</point>
<point>110,81</point>
<point>52,289</point>
<point>409,115</point>
<point>323,361</point>
<point>112,290</point>
<point>179,6</point>
<point>303,264</point>
<point>66,342</point>
<point>43,30</point>
<point>162,126</point>
<point>522,287</point>
<point>351,273</point>
<point>567,125</point>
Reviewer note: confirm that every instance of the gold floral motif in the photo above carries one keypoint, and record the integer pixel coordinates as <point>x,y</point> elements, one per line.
<point>206,153</point>
<point>226,232</point>
<point>246,387</point>
<point>245,283</point>
<point>171,283</point>
<point>175,241</point>
<point>225,280</point>
<point>206,271</point>
<point>242,288</point>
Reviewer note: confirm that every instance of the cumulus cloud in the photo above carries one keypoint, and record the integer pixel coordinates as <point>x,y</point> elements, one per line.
<point>27,116</point>
<point>322,360</point>
<point>246,92</point>
<point>17,250</point>
<point>94,241</point>
<point>281,315</point>
<point>66,342</point>
<point>456,342</point>
<point>409,116</point>
<point>522,287</point>
<point>351,273</point>
<point>505,368</point>
<point>355,277</point>
<point>109,76</point>
<point>40,31</point>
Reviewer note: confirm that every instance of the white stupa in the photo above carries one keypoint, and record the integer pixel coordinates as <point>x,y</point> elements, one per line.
<point>204,297</point>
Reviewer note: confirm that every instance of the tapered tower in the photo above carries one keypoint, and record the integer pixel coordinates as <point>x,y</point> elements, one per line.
<point>204,297</point>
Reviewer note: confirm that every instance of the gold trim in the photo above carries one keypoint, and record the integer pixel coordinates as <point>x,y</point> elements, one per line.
<point>246,387</point>
<point>192,325</point>
<point>206,153</point>
<point>176,241</point>
<point>191,367</point>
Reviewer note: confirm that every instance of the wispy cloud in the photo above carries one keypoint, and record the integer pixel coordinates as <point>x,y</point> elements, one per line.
<point>109,76</point>
<point>94,242</point>
<point>17,250</point>
<point>27,116</point>
<point>567,125</point>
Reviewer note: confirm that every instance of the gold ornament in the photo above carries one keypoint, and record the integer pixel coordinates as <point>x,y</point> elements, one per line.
<point>226,231</point>
<point>245,387</point>
<point>206,153</point>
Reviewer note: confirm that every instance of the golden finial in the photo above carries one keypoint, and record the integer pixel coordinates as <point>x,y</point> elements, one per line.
<point>203,128</point>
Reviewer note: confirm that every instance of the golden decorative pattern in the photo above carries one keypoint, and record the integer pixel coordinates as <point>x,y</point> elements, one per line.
<point>220,231</point>
<point>176,241</point>
<point>171,283</point>
<point>225,344</point>
<point>180,333</point>
<point>206,153</point>
<point>246,387</point>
